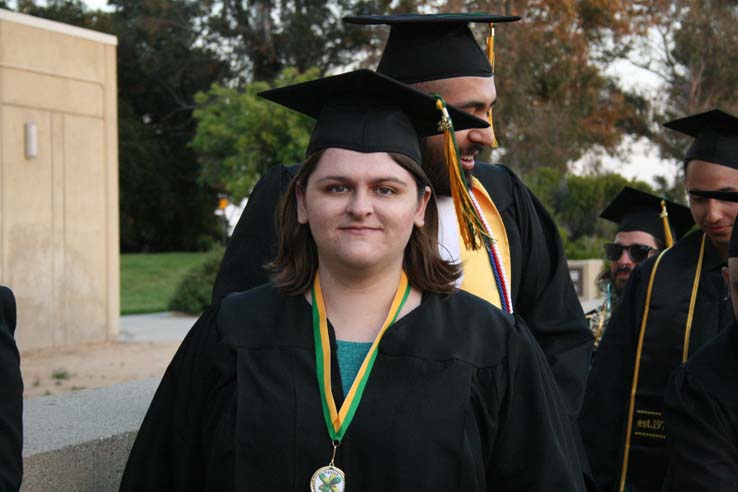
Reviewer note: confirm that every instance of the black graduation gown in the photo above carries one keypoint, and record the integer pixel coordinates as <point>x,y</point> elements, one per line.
<point>11,398</point>
<point>460,398</point>
<point>607,400</point>
<point>702,418</point>
<point>542,291</point>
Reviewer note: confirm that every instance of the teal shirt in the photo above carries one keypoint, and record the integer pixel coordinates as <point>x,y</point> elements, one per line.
<point>350,356</point>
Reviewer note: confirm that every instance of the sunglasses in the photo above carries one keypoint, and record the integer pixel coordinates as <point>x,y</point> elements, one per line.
<point>637,252</point>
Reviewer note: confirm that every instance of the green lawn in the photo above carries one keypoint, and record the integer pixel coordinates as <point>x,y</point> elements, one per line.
<point>148,280</point>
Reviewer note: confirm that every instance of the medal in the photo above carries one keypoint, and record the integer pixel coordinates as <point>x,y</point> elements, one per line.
<point>331,478</point>
<point>328,478</point>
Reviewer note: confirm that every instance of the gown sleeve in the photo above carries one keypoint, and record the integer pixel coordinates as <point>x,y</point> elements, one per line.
<point>700,439</point>
<point>11,398</point>
<point>604,411</point>
<point>183,441</point>
<point>547,300</point>
<point>534,449</point>
<point>254,240</point>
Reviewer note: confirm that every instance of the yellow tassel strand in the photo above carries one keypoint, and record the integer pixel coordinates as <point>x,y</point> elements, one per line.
<point>491,46</point>
<point>491,57</point>
<point>470,224</point>
<point>669,239</point>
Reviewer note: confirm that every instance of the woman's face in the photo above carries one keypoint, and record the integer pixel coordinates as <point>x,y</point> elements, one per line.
<point>361,209</point>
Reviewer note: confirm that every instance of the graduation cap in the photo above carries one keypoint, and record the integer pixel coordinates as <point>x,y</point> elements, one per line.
<point>422,48</point>
<point>715,136</point>
<point>726,196</point>
<point>366,111</point>
<point>636,210</point>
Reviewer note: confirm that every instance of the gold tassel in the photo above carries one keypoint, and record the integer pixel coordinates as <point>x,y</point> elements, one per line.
<point>471,226</point>
<point>491,58</point>
<point>668,238</point>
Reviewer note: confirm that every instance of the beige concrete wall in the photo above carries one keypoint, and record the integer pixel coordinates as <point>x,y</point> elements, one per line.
<point>59,210</point>
<point>584,275</point>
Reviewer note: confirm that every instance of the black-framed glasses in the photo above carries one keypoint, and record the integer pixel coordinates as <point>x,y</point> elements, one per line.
<point>637,252</point>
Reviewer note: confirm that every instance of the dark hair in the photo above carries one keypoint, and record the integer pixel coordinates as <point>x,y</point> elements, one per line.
<point>297,259</point>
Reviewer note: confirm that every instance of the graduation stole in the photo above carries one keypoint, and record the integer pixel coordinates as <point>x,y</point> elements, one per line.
<point>496,253</point>
<point>477,232</point>
<point>338,421</point>
<point>649,423</point>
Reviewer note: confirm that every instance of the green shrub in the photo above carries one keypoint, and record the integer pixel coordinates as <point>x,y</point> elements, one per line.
<point>148,280</point>
<point>194,291</point>
<point>585,248</point>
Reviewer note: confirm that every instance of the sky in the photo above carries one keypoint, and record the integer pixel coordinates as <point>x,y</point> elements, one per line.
<point>640,158</point>
<point>97,4</point>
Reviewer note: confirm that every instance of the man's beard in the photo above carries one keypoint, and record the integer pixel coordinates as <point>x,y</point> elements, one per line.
<point>618,282</point>
<point>434,164</point>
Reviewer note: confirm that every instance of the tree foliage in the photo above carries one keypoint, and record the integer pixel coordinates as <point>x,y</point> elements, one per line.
<point>692,46</point>
<point>161,66</point>
<point>68,11</point>
<point>263,37</point>
<point>576,203</point>
<point>239,135</point>
<point>555,103</point>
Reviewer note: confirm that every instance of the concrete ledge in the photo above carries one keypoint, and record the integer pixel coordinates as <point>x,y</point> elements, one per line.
<point>93,466</point>
<point>80,441</point>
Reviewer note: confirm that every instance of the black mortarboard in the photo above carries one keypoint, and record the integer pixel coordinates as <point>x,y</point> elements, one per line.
<point>636,210</point>
<point>715,136</point>
<point>368,112</point>
<point>421,48</point>
<point>726,196</point>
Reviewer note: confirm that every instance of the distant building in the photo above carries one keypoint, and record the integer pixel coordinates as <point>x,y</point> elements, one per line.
<point>584,275</point>
<point>59,244</point>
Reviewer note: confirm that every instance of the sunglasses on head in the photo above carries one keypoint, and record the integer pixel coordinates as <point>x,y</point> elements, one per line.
<point>637,252</point>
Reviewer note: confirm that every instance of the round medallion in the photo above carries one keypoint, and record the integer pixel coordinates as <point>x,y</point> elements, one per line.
<point>328,479</point>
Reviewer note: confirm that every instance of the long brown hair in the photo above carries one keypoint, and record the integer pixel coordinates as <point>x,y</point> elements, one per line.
<point>297,259</point>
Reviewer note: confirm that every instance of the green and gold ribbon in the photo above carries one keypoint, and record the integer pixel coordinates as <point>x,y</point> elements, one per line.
<point>336,420</point>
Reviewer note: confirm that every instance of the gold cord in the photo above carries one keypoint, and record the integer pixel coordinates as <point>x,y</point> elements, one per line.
<point>692,301</point>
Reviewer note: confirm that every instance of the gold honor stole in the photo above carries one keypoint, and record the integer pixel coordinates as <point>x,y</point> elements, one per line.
<point>478,277</point>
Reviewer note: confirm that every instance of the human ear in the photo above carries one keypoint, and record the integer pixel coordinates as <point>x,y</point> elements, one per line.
<point>422,205</point>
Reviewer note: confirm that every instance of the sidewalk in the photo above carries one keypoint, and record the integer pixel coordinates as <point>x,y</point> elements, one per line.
<point>146,344</point>
<point>155,327</point>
